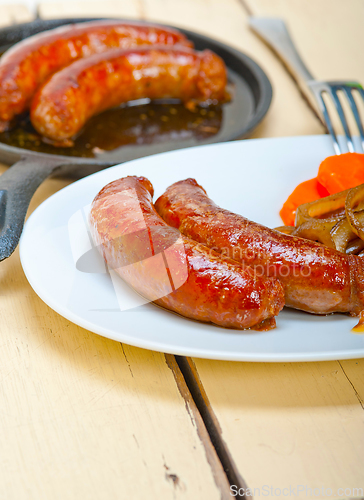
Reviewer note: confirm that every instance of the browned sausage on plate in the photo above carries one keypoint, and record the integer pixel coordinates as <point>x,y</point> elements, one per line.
<point>71,96</point>
<point>173,271</point>
<point>30,62</point>
<point>316,279</point>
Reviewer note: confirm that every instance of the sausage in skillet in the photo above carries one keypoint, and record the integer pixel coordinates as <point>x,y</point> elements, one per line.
<point>71,96</point>
<point>30,62</point>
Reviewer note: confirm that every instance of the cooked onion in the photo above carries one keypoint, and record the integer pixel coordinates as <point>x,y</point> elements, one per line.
<point>355,199</point>
<point>316,230</point>
<point>355,246</point>
<point>285,229</point>
<point>342,234</point>
<point>319,208</point>
<point>336,221</point>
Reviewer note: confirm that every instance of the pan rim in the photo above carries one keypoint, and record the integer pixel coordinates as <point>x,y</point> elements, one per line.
<point>263,101</point>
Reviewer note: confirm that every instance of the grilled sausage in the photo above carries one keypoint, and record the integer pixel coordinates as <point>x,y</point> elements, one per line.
<point>88,86</point>
<point>316,279</point>
<point>172,270</point>
<point>29,63</point>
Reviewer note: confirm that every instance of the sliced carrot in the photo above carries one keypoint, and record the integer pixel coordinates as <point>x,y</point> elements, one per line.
<point>305,192</point>
<point>337,173</point>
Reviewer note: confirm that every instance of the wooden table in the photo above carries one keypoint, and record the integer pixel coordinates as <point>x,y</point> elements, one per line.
<point>83,417</point>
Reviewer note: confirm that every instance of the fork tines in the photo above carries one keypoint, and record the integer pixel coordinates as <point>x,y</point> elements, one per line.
<point>347,88</point>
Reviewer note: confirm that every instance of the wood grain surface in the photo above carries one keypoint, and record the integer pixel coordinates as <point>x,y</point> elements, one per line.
<point>13,14</point>
<point>86,417</point>
<point>291,424</point>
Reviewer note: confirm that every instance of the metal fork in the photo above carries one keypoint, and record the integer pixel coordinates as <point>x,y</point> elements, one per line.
<point>275,33</point>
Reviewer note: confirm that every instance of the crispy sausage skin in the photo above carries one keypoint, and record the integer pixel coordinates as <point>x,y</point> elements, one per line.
<point>172,270</point>
<point>62,106</point>
<point>316,279</point>
<point>29,63</point>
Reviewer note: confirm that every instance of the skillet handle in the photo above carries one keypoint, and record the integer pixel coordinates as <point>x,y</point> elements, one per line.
<point>17,186</point>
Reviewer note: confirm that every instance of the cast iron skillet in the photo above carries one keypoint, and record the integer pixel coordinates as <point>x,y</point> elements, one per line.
<point>253,94</point>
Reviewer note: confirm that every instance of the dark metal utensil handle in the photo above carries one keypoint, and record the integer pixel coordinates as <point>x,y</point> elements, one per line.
<point>275,33</point>
<point>17,186</point>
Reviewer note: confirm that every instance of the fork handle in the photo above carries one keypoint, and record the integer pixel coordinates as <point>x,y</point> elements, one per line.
<point>275,33</point>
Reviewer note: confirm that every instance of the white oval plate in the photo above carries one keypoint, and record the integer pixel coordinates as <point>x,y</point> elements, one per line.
<point>249,177</point>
